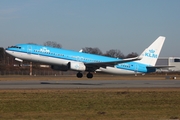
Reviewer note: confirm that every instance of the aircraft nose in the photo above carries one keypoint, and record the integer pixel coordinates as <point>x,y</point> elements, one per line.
<point>7,51</point>
<point>7,48</point>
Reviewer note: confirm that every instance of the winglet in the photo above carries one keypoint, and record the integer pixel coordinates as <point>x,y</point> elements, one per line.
<point>81,50</point>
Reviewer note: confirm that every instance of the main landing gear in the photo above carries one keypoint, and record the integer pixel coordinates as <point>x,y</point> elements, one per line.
<point>80,75</point>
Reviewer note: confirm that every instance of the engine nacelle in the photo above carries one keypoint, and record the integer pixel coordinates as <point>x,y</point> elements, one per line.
<point>78,66</point>
<point>60,67</point>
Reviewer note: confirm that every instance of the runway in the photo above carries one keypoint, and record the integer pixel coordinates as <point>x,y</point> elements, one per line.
<point>91,84</point>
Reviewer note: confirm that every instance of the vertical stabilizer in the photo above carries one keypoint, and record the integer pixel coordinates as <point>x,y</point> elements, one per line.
<point>151,54</point>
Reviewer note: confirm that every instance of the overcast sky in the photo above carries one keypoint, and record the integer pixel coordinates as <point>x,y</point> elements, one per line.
<point>126,25</point>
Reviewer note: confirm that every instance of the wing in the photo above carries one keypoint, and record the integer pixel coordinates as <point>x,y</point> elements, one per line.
<point>97,65</point>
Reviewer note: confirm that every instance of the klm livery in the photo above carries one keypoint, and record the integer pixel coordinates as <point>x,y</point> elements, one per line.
<point>64,60</point>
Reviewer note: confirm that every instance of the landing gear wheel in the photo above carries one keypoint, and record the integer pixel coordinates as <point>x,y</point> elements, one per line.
<point>89,75</point>
<point>79,75</point>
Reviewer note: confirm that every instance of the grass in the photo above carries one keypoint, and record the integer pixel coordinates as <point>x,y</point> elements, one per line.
<point>86,104</point>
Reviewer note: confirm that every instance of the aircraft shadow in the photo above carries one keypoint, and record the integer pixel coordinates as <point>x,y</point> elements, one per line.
<point>69,83</point>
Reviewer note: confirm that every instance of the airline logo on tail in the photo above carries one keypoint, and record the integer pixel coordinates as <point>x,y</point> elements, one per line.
<point>151,53</point>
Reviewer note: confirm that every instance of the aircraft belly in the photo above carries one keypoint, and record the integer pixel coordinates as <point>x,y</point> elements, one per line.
<point>38,58</point>
<point>116,70</point>
<point>16,54</point>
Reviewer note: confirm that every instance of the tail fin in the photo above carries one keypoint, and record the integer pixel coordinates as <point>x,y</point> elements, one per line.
<point>151,54</point>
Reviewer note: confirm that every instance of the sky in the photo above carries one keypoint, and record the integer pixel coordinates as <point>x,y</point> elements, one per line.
<point>126,25</point>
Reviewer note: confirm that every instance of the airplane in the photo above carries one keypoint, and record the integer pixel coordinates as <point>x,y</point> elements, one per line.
<point>64,60</point>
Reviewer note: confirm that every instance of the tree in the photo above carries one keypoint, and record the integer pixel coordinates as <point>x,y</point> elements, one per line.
<point>114,53</point>
<point>91,50</point>
<point>2,53</point>
<point>131,55</point>
<point>52,44</point>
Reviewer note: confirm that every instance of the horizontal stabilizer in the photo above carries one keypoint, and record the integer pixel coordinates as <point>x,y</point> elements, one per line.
<point>159,66</point>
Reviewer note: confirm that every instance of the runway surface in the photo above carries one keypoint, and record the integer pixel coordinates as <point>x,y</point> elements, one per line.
<point>89,84</point>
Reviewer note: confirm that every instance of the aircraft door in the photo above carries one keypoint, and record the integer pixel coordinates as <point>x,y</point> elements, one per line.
<point>136,69</point>
<point>29,49</point>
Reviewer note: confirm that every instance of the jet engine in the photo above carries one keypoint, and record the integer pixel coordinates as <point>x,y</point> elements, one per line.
<point>60,67</point>
<point>77,66</point>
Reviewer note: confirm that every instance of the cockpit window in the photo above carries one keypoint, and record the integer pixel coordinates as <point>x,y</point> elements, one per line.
<point>15,47</point>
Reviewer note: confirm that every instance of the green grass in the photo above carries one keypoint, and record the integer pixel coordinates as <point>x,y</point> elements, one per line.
<point>87,104</point>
